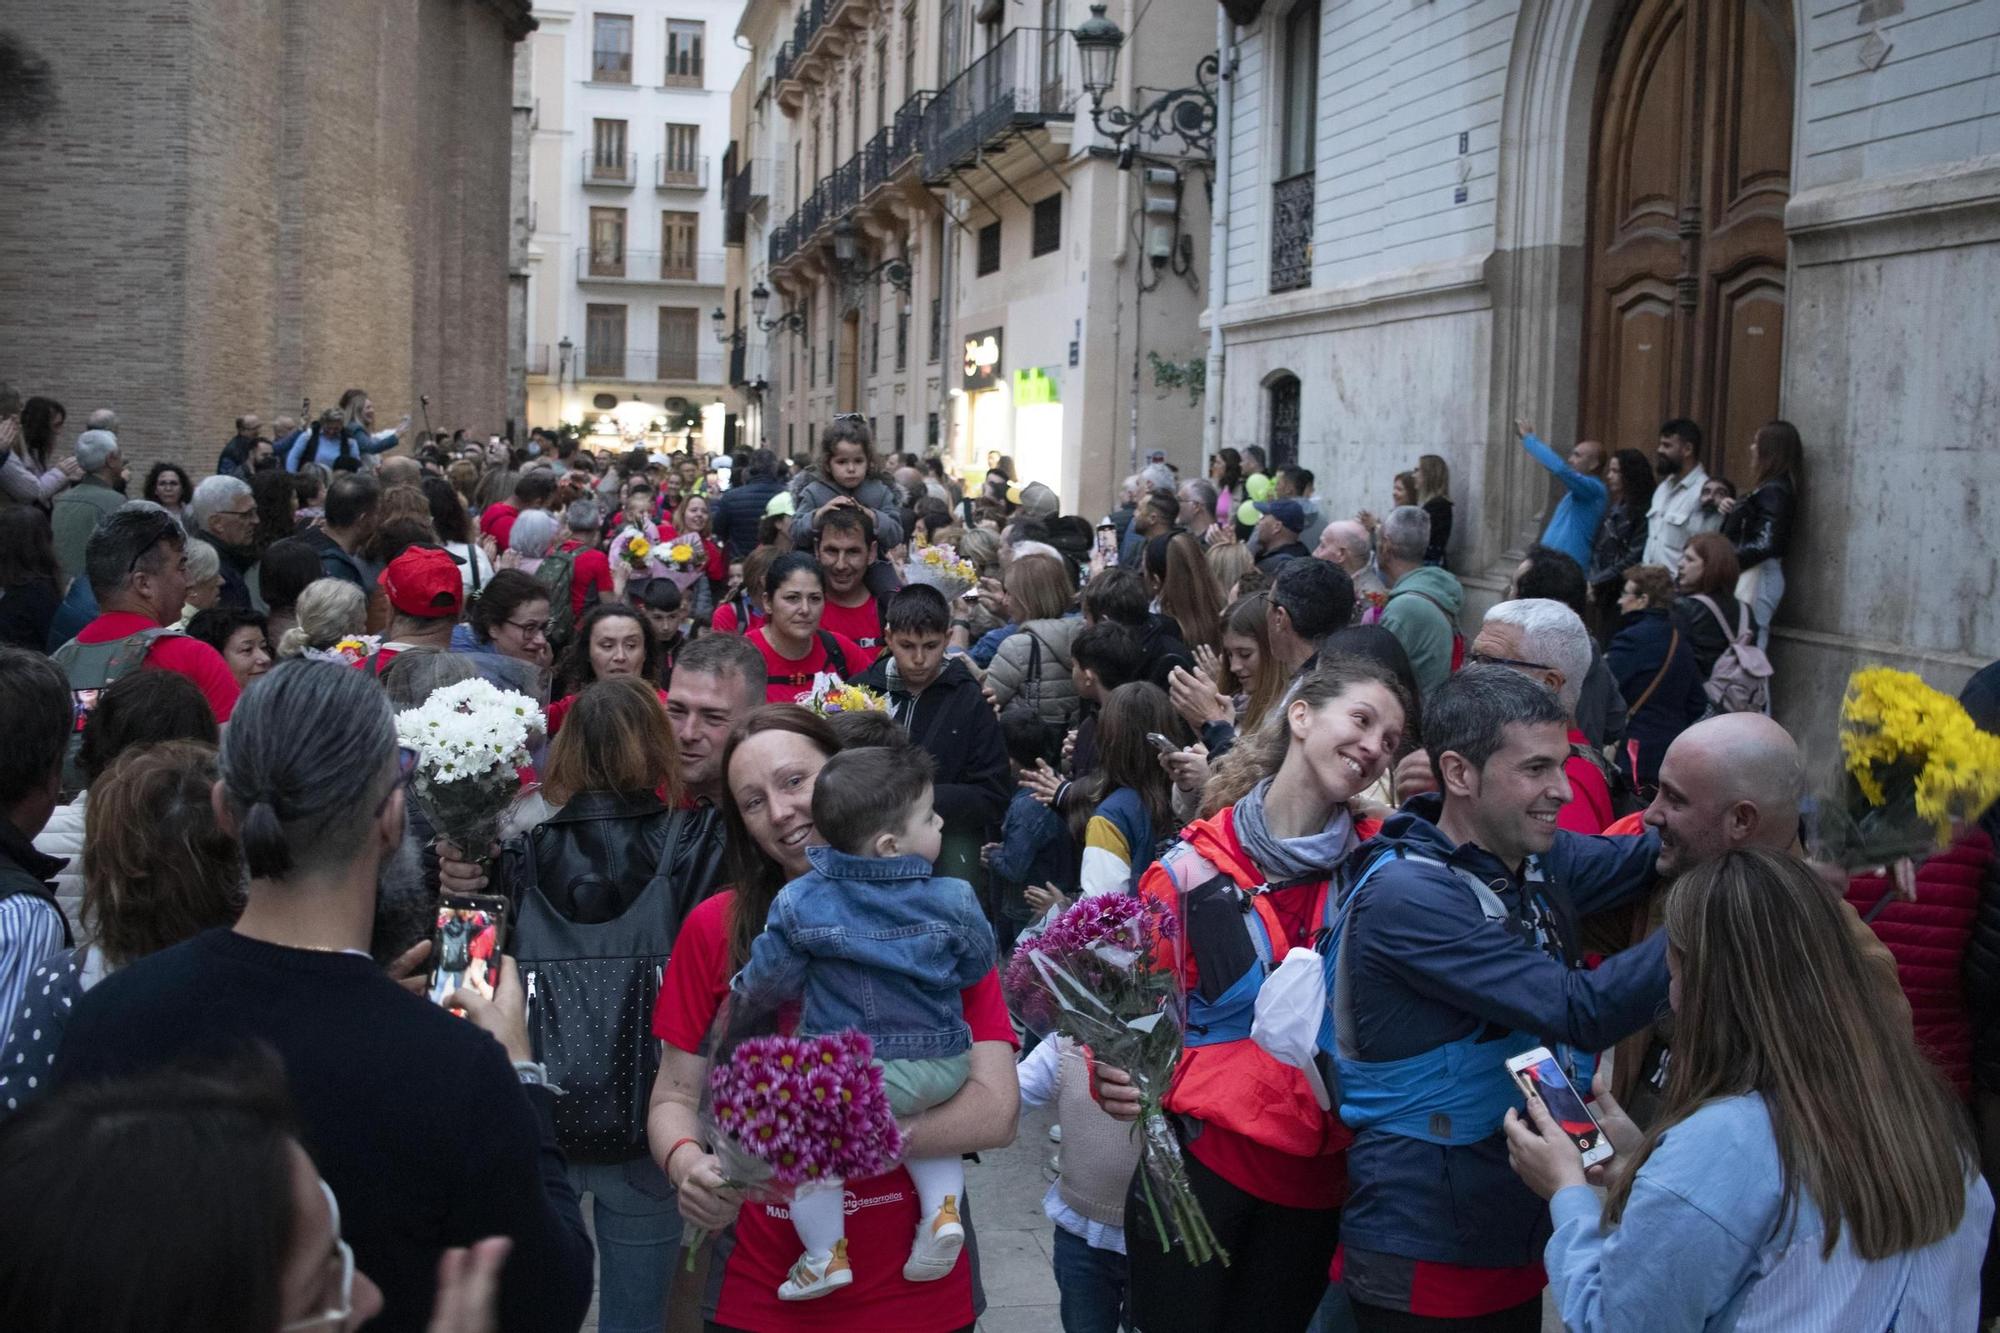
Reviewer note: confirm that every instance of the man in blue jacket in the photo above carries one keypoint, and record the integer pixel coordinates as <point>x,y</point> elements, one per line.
<point>1572,528</point>
<point>1460,949</point>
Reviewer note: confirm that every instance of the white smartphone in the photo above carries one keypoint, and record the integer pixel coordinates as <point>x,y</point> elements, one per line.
<point>1538,1071</point>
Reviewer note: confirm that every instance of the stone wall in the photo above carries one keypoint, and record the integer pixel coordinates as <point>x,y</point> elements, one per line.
<point>237,205</point>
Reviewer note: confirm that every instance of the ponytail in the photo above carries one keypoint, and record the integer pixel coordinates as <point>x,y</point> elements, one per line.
<point>265,851</point>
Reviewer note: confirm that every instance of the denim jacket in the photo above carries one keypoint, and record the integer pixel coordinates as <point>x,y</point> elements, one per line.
<point>879,944</point>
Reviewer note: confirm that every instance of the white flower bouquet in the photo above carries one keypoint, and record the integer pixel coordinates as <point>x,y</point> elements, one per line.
<point>942,568</point>
<point>469,740</point>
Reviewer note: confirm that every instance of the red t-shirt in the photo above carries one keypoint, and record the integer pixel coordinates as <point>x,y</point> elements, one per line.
<point>789,678</point>
<point>498,522</point>
<point>590,569</point>
<point>881,1213</point>
<point>173,652</point>
<point>724,619</point>
<point>862,623</point>
<point>1588,809</point>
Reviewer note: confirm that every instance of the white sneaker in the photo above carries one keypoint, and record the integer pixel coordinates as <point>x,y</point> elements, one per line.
<point>939,1239</point>
<point>809,1281</point>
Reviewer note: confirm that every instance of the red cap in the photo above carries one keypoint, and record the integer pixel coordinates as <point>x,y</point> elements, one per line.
<point>424,581</point>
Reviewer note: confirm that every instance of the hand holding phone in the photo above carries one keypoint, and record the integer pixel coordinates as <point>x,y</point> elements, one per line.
<point>1107,540</point>
<point>1541,1076</point>
<point>468,933</point>
<point>1162,742</point>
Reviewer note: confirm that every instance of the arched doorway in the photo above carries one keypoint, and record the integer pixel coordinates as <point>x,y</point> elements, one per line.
<point>1690,170</point>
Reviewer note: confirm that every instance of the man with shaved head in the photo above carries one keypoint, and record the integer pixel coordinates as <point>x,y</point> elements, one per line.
<point>1734,780</point>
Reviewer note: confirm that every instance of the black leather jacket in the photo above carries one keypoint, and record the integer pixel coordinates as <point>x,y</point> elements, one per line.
<point>594,856</point>
<point>1761,524</point>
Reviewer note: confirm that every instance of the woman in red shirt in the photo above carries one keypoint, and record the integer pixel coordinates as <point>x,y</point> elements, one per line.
<point>743,606</point>
<point>795,648</point>
<point>614,640</point>
<point>769,770</point>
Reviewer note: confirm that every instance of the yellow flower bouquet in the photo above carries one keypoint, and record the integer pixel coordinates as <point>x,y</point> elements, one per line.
<point>942,568</point>
<point>830,696</point>
<point>1912,763</point>
<point>636,551</point>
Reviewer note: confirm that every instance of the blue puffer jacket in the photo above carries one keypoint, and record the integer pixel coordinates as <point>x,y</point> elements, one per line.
<point>1423,966</point>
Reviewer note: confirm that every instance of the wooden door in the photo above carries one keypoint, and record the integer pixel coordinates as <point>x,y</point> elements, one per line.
<point>1690,170</point>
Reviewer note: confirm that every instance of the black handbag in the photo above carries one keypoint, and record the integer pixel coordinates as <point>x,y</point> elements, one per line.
<point>590,996</point>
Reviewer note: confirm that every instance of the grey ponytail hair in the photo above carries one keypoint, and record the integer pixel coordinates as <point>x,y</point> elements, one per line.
<point>306,759</point>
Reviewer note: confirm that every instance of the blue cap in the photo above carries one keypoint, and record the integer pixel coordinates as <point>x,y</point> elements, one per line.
<point>1288,512</point>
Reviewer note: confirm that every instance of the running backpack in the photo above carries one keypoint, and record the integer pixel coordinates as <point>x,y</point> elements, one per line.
<point>556,573</point>
<point>91,667</point>
<point>1457,639</point>
<point>1740,680</point>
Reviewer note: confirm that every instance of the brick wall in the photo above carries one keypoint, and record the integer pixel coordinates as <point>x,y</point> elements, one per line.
<point>239,203</point>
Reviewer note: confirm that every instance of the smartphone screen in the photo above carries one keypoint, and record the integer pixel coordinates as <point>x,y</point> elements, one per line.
<point>466,939</point>
<point>1107,540</point>
<point>1564,1104</point>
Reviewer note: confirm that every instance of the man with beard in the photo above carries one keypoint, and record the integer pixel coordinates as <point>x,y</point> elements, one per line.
<point>844,544</point>
<point>1676,509</point>
<point>223,513</point>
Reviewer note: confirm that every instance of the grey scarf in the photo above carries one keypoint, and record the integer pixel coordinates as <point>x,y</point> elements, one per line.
<point>1284,860</point>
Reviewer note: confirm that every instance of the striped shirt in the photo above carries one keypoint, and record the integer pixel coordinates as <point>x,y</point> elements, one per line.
<point>1701,1246</point>
<point>30,930</point>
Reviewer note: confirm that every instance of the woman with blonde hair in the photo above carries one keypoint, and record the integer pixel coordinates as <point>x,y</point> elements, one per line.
<point>1228,562</point>
<point>328,611</point>
<point>1810,1169</point>
<point>1034,660</point>
<point>1434,497</point>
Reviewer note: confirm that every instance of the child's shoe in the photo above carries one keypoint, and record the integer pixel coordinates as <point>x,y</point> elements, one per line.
<point>809,1281</point>
<point>939,1239</point>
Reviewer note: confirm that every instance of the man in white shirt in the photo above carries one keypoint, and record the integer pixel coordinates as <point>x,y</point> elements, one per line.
<point>1676,507</point>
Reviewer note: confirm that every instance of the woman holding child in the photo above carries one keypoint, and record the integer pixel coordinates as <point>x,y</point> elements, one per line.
<point>770,769</point>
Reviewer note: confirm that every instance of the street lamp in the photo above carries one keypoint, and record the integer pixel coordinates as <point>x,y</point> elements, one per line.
<point>719,322</point>
<point>1186,113</point>
<point>847,255</point>
<point>563,350</point>
<point>760,300</point>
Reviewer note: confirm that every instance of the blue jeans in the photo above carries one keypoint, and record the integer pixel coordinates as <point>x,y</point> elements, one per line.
<point>1092,1284</point>
<point>638,1227</point>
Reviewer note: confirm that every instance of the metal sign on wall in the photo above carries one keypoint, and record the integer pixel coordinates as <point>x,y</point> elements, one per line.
<point>982,360</point>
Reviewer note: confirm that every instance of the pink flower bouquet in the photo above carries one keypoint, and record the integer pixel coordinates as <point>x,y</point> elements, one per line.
<point>1097,975</point>
<point>788,1111</point>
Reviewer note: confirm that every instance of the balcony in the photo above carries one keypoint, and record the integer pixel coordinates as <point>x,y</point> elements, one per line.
<point>846,191</point>
<point>618,170</point>
<point>1291,233</point>
<point>680,171</point>
<point>875,161</point>
<point>751,186</point>
<point>1021,83</point>
<point>812,212</point>
<point>645,366</point>
<point>781,63</point>
<point>781,243</point>
<point>907,131</point>
<point>634,266</point>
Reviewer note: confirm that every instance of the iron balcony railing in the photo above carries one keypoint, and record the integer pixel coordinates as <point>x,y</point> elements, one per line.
<point>621,169</point>
<point>751,186</point>
<point>1022,81</point>
<point>644,365</point>
<point>604,264</point>
<point>875,160</point>
<point>782,242</point>
<point>781,63</point>
<point>680,171</point>
<point>812,211</point>
<point>846,191</point>
<point>906,138</point>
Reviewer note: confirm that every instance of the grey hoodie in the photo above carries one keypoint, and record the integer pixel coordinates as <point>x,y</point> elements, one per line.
<point>1422,612</point>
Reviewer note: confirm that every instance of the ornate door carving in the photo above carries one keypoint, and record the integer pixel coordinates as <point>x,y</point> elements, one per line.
<point>1690,170</point>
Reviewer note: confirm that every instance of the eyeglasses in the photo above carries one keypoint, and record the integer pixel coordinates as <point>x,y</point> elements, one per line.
<point>532,629</point>
<point>1482,659</point>
<point>238,513</point>
<point>345,1311</point>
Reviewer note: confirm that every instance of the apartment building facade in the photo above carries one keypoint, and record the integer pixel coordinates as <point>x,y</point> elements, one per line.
<point>939,240</point>
<point>626,255</point>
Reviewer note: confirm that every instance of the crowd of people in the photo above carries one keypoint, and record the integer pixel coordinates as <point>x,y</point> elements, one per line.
<point>1571,823</point>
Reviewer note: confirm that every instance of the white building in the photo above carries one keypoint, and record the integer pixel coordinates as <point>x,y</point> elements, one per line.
<point>629,108</point>
<point>1600,214</point>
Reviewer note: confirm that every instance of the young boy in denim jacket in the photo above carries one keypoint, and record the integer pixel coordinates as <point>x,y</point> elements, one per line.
<point>874,941</point>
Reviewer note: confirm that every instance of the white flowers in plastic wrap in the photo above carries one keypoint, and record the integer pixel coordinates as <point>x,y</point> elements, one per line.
<point>470,739</point>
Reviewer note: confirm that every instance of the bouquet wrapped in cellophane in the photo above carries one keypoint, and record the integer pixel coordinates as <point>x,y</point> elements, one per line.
<point>1912,762</point>
<point>782,1113</point>
<point>1097,975</point>
<point>470,740</point>
<point>942,568</point>
<point>830,696</point>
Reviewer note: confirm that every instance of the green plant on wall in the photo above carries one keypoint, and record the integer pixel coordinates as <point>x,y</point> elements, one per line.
<point>1191,374</point>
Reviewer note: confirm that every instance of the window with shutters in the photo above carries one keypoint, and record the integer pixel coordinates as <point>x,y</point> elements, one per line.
<point>1048,224</point>
<point>684,45</point>
<point>607,243</point>
<point>611,48</point>
<point>608,160</point>
<point>989,249</point>
<point>680,331</point>
<point>681,163</point>
<point>678,232</point>
<point>604,341</point>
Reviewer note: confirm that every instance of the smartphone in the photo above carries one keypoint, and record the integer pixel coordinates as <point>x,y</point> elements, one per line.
<point>1538,1071</point>
<point>467,935</point>
<point>1107,540</point>
<point>1164,744</point>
